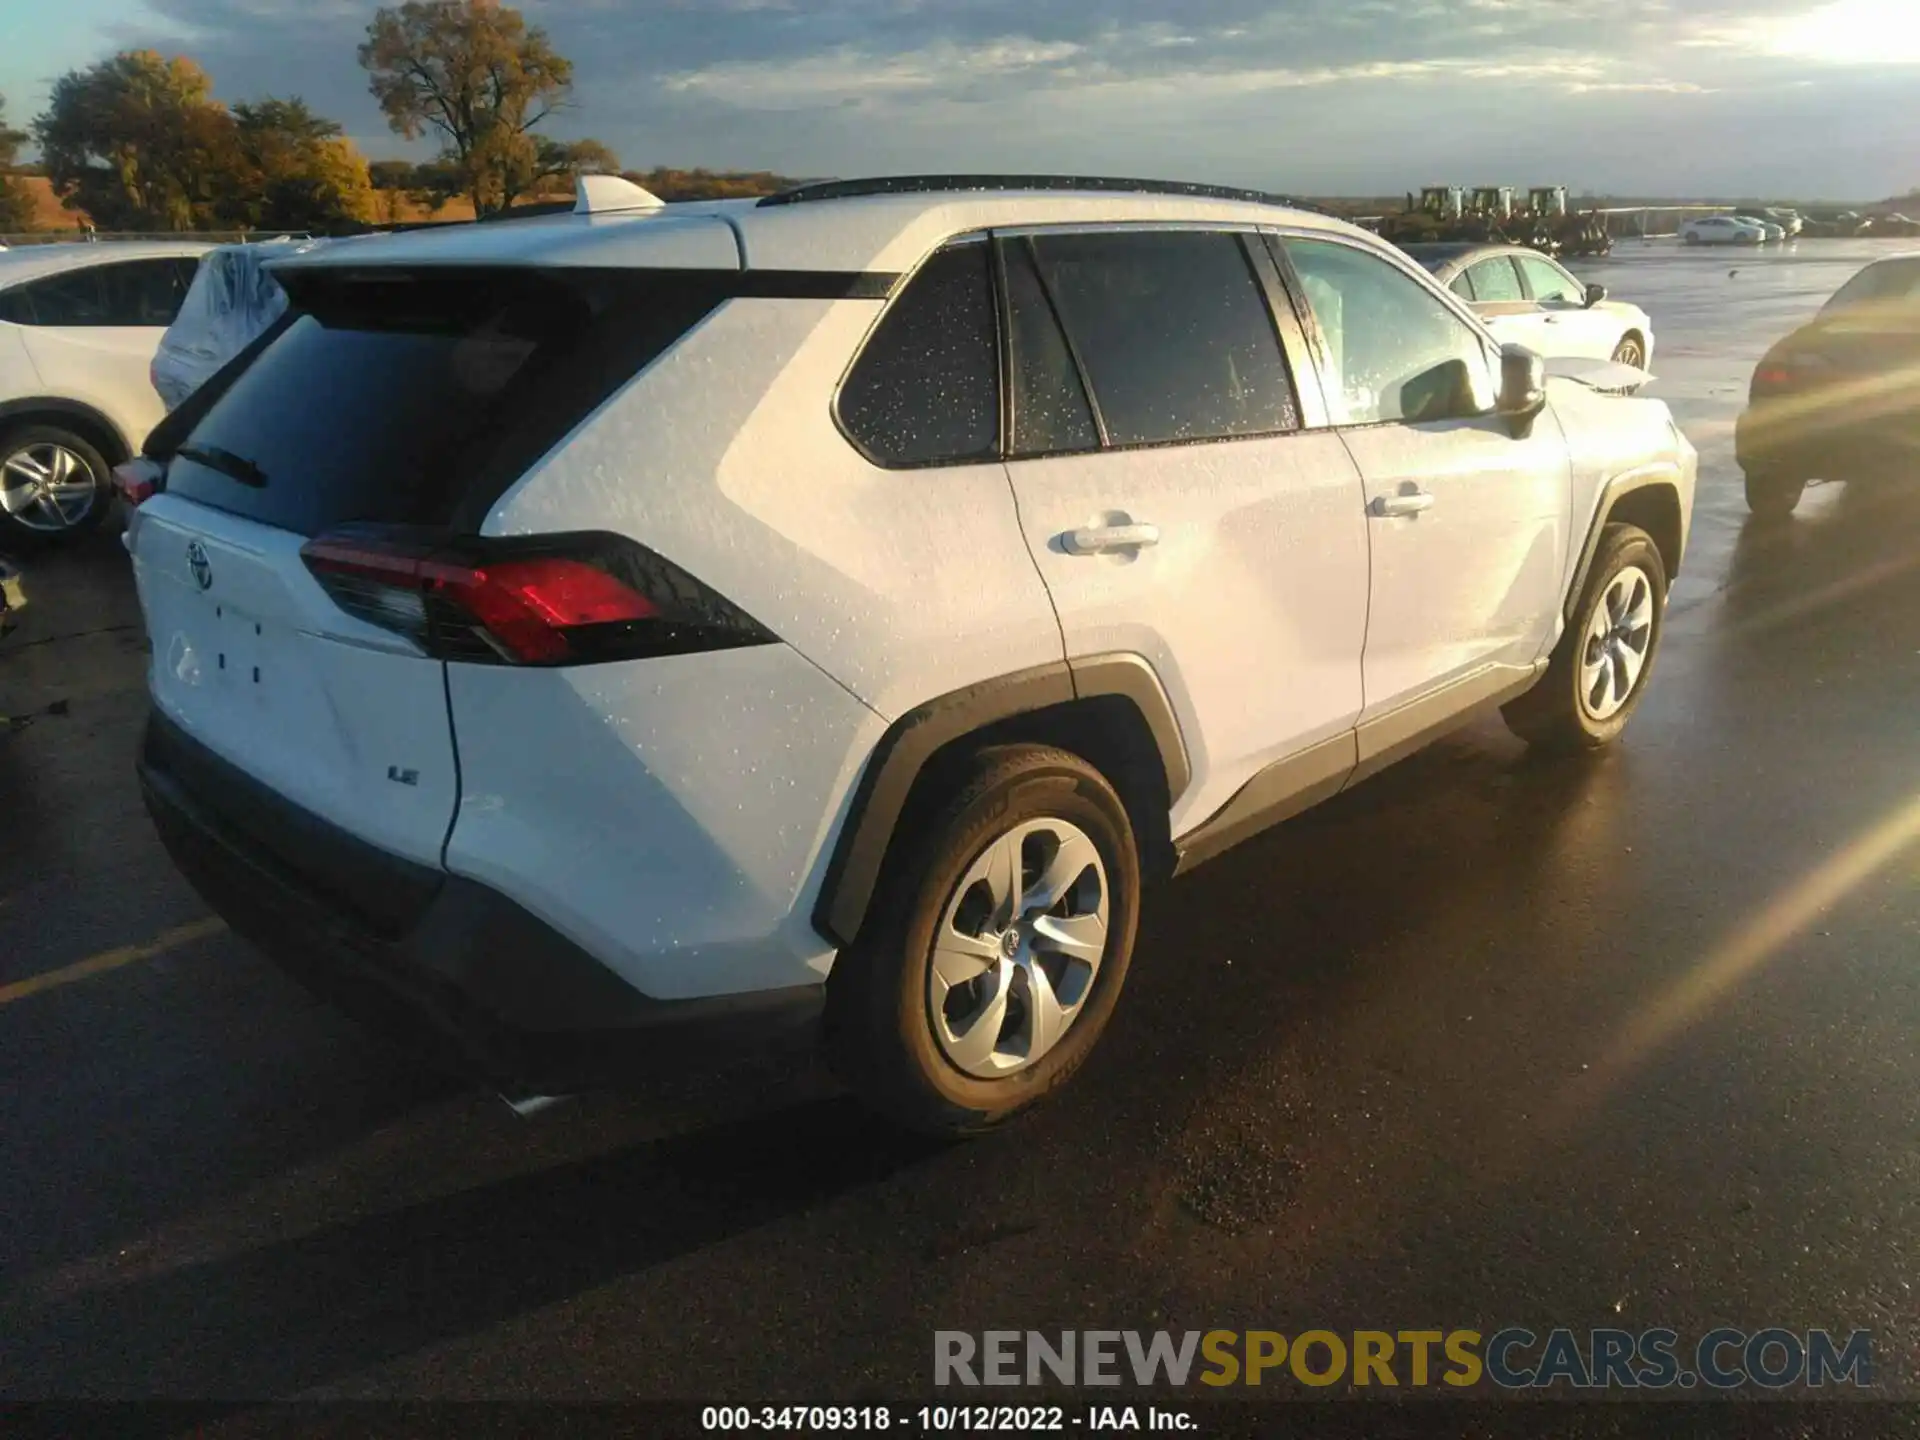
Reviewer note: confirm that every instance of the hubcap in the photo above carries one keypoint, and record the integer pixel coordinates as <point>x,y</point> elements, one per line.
<point>1619,641</point>
<point>1018,947</point>
<point>46,487</point>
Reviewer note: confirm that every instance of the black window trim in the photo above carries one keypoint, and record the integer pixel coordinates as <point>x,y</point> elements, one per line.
<point>1103,438</point>
<point>97,267</point>
<point>1249,236</point>
<point>1277,236</point>
<point>901,284</point>
<point>1274,280</point>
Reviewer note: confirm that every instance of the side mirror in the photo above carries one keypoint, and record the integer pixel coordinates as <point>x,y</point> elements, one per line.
<point>1595,294</point>
<point>1523,389</point>
<point>1446,392</point>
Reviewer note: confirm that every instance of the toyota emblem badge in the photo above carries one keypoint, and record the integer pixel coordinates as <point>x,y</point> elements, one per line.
<point>197,562</point>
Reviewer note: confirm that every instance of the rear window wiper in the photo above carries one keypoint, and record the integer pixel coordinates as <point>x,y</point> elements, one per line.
<point>236,467</point>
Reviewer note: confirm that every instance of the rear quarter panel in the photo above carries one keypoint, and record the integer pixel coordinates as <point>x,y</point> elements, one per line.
<point>18,377</point>
<point>724,457</point>
<point>107,368</point>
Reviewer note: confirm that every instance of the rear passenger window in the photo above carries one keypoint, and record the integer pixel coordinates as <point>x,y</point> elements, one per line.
<point>1175,333</point>
<point>1495,282</point>
<point>70,298</point>
<point>1463,285</point>
<point>142,292</point>
<point>1051,415</point>
<point>926,389</point>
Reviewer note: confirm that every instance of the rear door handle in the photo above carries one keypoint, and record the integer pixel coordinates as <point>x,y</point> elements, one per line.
<point>1391,507</point>
<point>1105,539</point>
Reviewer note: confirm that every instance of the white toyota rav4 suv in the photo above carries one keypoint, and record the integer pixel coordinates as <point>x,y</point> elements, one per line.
<point>613,635</point>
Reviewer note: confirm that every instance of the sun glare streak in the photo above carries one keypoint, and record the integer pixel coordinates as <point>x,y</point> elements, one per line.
<point>1861,397</point>
<point>1825,597</point>
<point>1741,954</point>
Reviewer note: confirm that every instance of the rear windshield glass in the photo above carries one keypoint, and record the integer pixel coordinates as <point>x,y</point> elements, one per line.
<point>1888,280</point>
<point>415,397</point>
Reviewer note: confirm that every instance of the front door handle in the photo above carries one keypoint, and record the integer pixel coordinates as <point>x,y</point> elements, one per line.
<point>1392,507</point>
<point>1106,539</point>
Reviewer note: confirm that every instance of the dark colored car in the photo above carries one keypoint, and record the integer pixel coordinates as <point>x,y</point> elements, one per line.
<point>1839,398</point>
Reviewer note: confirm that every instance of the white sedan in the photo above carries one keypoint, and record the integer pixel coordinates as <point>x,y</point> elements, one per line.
<point>1529,299</point>
<point>1772,229</point>
<point>1722,230</point>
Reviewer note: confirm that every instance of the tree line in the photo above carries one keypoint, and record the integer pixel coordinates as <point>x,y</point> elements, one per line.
<point>138,141</point>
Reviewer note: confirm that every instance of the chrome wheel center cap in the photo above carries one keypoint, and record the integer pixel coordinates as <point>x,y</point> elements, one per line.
<point>1010,944</point>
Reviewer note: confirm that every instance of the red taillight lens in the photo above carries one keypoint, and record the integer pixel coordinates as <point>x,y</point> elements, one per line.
<point>530,605</point>
<point>558,600</point>
<point>1781,374</point>
<point>138,480</point>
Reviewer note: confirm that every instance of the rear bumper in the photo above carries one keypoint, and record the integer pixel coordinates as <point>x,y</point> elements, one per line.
<point>1883,452</point>
<point>444,964</point>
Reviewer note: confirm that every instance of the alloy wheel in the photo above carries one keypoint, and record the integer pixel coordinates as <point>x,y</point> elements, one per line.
<point>46,487</point>
<point>1619,641</point>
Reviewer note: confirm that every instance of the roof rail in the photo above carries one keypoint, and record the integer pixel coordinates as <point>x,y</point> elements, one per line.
<point>1107,184</point>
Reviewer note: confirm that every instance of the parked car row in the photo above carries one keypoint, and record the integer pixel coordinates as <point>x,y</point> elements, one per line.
<point>1729,230</point>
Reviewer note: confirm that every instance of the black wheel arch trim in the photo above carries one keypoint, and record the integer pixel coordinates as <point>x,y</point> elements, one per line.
<point>49,408</point>
<point>1642,477</point>
<point>911,742</point>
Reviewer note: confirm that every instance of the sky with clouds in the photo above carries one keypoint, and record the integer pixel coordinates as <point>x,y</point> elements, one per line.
<point>1791,98</point>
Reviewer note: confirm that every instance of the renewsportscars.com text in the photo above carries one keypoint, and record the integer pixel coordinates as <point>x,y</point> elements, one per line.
<point>1508,1359</point>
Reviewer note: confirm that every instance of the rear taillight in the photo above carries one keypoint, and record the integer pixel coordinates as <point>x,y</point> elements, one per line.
<point>551,600</point>
<point>1783,374</point>
<point>138,480</point>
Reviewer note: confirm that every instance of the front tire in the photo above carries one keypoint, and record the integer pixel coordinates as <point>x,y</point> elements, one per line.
<point>54,485</point>
<point>1772,497</point>
<point>1601,666</point>
<point>1631,350</point>
<point>996,948</point>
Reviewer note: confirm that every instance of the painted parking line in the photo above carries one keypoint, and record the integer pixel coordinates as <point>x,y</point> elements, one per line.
<point>111,960</point>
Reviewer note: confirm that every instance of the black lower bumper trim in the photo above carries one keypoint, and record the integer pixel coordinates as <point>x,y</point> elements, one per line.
<point>475,980</point>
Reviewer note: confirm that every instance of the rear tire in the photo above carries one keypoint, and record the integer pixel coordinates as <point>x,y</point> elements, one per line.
<point>923,1043</point>
<point>1631,350</point>
<point>1772,497</point>
<point>1600,668</point>
<point>54,485</point>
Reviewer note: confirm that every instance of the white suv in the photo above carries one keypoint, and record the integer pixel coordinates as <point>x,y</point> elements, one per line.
<point>79,324</point>
<point>615,634</point>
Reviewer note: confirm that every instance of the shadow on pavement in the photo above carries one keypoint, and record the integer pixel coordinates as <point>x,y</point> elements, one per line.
<point>293,1315</point>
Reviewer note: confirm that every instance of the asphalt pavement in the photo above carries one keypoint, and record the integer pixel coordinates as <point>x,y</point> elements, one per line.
<point>1488,1042</point>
